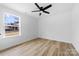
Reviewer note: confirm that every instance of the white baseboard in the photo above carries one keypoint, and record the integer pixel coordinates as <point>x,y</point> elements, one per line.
<point>76,47</point>
<point>50,38</point>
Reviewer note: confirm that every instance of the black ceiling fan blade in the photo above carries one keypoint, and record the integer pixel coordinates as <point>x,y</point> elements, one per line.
<point>47,7</point>
<point>46,12</point>
<point>37,5</point>
<point>36,11</point>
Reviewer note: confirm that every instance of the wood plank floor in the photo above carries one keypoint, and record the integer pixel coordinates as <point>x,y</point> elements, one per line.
<point>41,47</point>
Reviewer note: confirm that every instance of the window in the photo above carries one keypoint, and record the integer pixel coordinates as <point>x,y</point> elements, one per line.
<point>12,25</point>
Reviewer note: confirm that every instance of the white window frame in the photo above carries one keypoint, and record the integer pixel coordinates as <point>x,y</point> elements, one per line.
<point>4,36</point>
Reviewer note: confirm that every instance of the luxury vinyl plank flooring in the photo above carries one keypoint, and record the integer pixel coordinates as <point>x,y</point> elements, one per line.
<point>41,47</point>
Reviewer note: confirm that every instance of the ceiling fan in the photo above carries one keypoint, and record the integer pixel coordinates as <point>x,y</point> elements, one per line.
<point>43,9</point>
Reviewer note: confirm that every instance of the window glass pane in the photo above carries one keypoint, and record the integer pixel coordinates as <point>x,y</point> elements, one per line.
<point>11,25</point>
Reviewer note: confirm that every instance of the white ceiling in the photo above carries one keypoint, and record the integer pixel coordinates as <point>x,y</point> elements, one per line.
<point>29,7</point>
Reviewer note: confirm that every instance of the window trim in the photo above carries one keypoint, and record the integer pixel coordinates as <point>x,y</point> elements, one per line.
<point>4,36</point>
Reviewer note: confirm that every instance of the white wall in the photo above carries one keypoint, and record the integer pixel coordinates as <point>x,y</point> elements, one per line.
<point>59,26</point>
<point>28,24</point>
<point>75,27</point>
